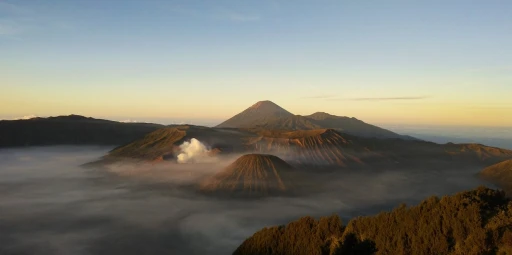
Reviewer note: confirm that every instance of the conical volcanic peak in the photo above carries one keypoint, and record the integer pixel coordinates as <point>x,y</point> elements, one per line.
<point>267,105</point>
<point>258,114</point>
<point>252,174</point>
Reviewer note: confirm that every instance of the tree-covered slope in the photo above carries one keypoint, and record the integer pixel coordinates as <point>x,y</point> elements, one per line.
<point>472,222</point>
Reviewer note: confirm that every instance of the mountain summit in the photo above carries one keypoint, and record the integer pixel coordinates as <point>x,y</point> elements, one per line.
<point>268,115</point>
<point>252,174</point>
<point>260,112</point>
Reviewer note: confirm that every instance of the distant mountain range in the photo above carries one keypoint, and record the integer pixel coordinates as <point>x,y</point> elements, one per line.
<point>505,143</point>
<point>70,130</point>
<point>268,115</point>
<point>80,130</point>
<point>265,127</point>
<point>312,149</point>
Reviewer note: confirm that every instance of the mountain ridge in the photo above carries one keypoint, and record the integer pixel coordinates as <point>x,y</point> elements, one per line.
<point>268,115</point>
<point>261,111</point>
<point>318,148</point>
<point>70,130</point>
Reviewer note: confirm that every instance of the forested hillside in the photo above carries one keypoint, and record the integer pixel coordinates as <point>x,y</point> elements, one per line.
<point>472,222</point>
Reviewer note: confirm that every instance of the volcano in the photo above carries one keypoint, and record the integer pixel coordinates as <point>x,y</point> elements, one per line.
<point>254,175</point>
<point>163,144</point>
<point>270,116</point>
<point>260,113</point>
<point>313,148</point>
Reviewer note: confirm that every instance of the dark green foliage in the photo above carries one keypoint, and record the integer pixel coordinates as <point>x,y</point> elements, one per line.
<point>472,222</point>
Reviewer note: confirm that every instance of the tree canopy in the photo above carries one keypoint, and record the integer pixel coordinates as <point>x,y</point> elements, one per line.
<point>471,222</point>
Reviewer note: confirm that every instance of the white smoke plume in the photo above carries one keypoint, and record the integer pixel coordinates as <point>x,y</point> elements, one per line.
<point>194,152</point>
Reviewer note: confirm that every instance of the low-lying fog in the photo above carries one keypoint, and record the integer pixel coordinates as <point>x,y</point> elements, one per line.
<point>50,205</point>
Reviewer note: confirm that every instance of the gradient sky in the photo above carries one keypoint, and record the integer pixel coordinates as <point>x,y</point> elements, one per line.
<point>401,62</point>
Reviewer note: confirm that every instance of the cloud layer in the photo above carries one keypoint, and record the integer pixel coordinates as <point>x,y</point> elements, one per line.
<point>51,206</point>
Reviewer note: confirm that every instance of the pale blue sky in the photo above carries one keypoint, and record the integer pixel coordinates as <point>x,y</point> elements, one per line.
<point>411,62</point>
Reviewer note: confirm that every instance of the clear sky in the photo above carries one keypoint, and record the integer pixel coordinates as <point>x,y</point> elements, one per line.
<point>398,62</point>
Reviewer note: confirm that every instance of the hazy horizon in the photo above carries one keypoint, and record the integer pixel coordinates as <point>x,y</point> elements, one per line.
<point>429,62</point>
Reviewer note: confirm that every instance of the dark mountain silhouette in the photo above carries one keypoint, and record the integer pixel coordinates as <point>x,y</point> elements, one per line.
<point>70,130</point>
<point>257,114</point>
<point>472,222</point>
<point>500,174</point>
<point>351,126</point>
<point>254,175</point>
<point>268,115</point>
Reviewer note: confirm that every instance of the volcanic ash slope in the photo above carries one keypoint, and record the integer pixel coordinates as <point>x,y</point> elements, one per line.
<point>253,174</point>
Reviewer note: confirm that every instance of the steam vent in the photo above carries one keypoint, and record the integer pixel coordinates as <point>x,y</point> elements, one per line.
<point>252,174</point>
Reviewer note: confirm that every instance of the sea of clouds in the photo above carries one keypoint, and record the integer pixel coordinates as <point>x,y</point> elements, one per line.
<point>51,205</point>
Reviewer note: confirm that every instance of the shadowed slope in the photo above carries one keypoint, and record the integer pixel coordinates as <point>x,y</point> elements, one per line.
<point>351,126</point>
<point>479,151</point>
<point>295,122</point>
<point>153,145</point>
<point>500,174</point>
<point>70,130</point>
<point>252,174</point>
<point>164,143</point>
